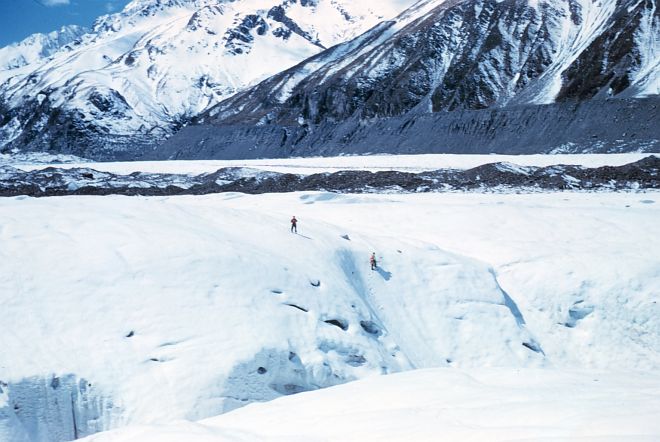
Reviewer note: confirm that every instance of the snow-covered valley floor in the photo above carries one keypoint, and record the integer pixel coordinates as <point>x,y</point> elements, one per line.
<point>308,166</point>
<point>132,311</point>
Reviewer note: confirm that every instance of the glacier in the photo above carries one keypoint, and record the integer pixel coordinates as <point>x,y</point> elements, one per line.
<point>144,311</point>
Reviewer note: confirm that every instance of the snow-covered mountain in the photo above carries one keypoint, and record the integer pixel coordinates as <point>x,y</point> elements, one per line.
<point>36,48</point>
<point>437,65</point>
<point>141,73</point>
<point>471,54</point>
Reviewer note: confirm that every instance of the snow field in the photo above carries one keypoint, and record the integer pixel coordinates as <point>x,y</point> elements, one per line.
<point>188,307</point>
<point>582,269</point>
<point>220,306</point>
<point>489,405</point>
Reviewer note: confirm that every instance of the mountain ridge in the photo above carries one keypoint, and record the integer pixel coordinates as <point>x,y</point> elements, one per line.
<point>455,55</point>
<point>142,73</point>
<point>472,76</point>
<point>456,63</point>
<point>36,48</point>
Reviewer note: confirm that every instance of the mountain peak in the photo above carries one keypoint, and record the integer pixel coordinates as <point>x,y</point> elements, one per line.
<point>37,47</point>
<point>143,72</point>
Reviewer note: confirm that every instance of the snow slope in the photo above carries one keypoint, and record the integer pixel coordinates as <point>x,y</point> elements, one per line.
<point>488,405</point>
<point>120,311</point>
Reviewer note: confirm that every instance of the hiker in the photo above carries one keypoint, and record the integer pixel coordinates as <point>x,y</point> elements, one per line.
<point>294,224</point>
<point>372,260</point>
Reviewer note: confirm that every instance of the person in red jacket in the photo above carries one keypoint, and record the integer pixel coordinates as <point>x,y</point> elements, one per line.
<point>294,224</point>
<point>372,260</point>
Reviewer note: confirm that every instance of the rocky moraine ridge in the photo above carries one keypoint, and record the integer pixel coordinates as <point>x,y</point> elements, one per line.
<point>494,177</point>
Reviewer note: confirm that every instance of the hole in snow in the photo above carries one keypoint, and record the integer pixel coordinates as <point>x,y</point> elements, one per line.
<point>370,327</point>
<point>267,375</point>
<point>315,283</point>
<point>346,237</point>
<point>162,359</point>
<point>577,313</point>
<point>355,360</point>
<point>130,334</point>
<point>341,323</point>
<point>288,389</point>
<point>298,307</point>
<point>532,346</point>
<point>276,291</point>
<point>169,344</point>
<point>327,346</point>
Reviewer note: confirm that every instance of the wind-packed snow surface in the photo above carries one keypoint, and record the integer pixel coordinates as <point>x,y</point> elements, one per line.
<point>488,405</point>
<point>130,311</point>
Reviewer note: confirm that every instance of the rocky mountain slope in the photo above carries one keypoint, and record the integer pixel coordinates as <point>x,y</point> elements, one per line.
<point>449,55</point>
<point>440,57</point>
<point>140,74</point>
